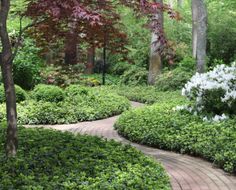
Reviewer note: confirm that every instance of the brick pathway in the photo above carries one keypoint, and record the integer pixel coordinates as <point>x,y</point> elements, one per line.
<point>186,173</point>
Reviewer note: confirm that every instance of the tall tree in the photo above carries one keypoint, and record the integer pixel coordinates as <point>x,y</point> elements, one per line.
<point>6,59</point>
<point>199,33</point>
<point>155,64</point>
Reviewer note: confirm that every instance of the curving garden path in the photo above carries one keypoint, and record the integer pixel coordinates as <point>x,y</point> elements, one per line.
<point>186,172</point>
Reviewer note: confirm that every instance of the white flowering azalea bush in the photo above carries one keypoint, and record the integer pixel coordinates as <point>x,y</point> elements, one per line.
<point>213,93</point>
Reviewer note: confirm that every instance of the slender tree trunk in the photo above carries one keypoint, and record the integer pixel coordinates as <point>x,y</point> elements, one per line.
<point>6,66</point>
<point>71,48</point>
<point>194,27</point>
<point>90,60</point>
<point>199,14</point>
<point>155,64</point>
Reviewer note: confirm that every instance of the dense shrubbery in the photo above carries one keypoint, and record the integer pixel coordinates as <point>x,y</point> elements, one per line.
<point>176,78</point>
<point>54,160</point>
<point>146,94</point>
<point>21,95</point>
<point>163,127</point>
<point>134,76</point>
<point>172,80</point>
<point>214,92</point>
<point>80,104</point>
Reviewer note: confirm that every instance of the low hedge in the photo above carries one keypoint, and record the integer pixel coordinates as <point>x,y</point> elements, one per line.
<point>160,126</point>
<point>48,159</point>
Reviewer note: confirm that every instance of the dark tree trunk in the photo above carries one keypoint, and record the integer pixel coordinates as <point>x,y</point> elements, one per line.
<point>71,48</point>
<point>6,66</point>
<point>199,14</point>
<point>90,60</point>
<point>155,64</point>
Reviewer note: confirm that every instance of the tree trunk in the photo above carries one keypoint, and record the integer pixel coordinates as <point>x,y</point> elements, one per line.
<point>194,27</point>
<point>90,60</point>
<point>199,13</point>
<point>6,66</point>
<point>71,48</point>
<point>155,64</point>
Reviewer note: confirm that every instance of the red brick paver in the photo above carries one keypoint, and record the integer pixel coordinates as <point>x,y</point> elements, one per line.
<point>186,172</point>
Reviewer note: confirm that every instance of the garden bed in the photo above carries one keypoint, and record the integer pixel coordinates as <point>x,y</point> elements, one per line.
<point>53,160</point>
<point>163,127</point>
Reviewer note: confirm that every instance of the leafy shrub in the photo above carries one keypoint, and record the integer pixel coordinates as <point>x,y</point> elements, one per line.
<point>119,68</point>
<point>187,64</point>
<point>74,90</point>
<point>48,93</point>
<point>53,160</point>
<point>21,95</point>
<point>172,80</point>
<point>134,76</point>
<point>213,92</point>
<point>163,127</point>
<point>27,65</point>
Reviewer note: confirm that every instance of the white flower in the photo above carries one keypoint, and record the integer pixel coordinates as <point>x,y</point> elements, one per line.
<point>221,82</point>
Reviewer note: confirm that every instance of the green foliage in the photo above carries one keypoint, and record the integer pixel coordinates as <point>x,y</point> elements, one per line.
<point>173,80</point>
<point>163,127</point>
<point>119,68</point>
<point>222,31</point>
<point>74,90</point>
<point>21,95</point>
<point>80,104</point>
<point>96,79</point>
<point>138,37</point>
<point>134,76</point>
<point>147,94</point>
<point>27,65</point>
<point>48,93</point>
<point>138,45</point>
<point>53,160</point>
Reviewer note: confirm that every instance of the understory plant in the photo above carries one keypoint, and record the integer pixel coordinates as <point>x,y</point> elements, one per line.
<point>213,93</point>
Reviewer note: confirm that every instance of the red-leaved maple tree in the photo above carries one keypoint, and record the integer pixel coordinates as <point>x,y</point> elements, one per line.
<point>78,21</point>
